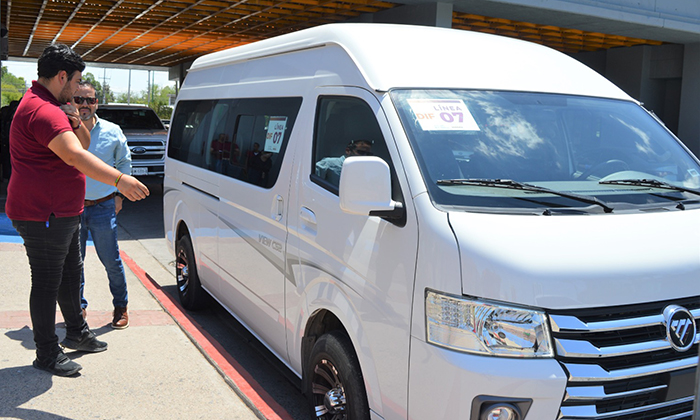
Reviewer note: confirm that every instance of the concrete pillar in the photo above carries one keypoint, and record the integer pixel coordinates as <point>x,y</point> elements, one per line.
<point>666,76</point>
<point>626,68</point>
<point>689,118</point>
<point>178,73</point>
<point>426,14</point>
<point>652,75</point>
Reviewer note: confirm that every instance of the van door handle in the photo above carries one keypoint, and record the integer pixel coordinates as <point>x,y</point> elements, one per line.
<point>280,208</point>
<point>308,216</point>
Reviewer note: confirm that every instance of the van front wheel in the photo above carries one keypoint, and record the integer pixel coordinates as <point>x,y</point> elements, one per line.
<point>189,289</point>
<point>335,386</point>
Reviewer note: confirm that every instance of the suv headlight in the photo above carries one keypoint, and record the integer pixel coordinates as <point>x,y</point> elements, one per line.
<point>486,328</point>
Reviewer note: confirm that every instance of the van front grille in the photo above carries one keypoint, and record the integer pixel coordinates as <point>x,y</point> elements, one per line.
<point>621,366</point>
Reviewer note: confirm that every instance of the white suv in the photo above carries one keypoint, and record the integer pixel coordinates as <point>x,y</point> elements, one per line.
<point>145,135</point>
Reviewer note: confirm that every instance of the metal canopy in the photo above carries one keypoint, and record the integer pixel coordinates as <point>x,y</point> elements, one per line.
<point>162,32</point>
<point>169,32</point>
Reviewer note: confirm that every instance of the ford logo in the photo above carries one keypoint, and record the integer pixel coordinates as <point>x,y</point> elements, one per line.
<point>680,327</point>
<point>138,150</point>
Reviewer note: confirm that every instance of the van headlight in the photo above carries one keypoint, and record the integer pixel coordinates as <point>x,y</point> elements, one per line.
<point>486,328</point>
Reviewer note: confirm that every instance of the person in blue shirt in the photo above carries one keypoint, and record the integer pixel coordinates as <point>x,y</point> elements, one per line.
<point>329,168</point>
<point>103,202</point>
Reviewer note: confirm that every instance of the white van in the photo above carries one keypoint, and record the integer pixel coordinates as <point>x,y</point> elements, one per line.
<point>511,235</point>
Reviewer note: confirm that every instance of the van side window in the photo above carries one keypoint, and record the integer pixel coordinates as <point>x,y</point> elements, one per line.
<point>189,134</point>
<point>345,126</point>
<point>244,139</point>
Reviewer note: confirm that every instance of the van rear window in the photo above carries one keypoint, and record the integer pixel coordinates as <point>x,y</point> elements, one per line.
<point>244,139</point>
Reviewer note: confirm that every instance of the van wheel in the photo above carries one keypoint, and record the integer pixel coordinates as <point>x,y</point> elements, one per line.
<point>335,386</point>
<point>192,296</point>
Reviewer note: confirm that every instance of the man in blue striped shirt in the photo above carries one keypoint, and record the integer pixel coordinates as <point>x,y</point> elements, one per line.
<point>103,202</point>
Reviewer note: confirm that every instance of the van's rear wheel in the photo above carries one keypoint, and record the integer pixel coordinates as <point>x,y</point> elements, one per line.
<point>335,386</point>
<point>189,289</point>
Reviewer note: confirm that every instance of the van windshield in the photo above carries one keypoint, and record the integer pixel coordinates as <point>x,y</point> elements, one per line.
<point>532,152</point>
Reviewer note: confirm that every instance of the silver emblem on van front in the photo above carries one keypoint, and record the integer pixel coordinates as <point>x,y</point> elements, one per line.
<point>680,327</point>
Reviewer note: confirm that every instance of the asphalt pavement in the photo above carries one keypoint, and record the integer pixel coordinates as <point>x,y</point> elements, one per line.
<point>168,364</point>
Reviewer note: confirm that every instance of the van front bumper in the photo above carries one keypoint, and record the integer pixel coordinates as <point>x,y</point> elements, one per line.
<point>443,384</point>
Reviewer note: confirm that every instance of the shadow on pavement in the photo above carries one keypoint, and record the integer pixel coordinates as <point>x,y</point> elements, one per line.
<point>272,375</point>
<point>144,219</point>
<point>21,384</point>
<point>24,335</point>
<point>18,385</point>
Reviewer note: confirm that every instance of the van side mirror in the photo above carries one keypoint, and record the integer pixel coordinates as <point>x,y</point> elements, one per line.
<point>365,188</point>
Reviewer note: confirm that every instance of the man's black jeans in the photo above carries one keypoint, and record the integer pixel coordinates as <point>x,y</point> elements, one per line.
<point>53,249</point>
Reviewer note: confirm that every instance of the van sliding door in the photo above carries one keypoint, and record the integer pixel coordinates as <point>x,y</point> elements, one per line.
<point>253,157</point>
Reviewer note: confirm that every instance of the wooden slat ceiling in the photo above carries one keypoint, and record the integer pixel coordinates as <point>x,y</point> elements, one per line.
<point>169,32</point>
<point>562,39</point>
<point>162,32</point>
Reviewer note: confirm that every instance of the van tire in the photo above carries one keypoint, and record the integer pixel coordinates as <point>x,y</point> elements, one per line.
<point>189,289</point>
<point>333,358</point>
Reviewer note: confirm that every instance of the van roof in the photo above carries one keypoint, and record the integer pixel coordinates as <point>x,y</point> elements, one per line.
<point>402,56</point>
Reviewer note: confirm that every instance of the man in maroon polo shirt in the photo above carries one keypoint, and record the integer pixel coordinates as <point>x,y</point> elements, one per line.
<point>45,196</point>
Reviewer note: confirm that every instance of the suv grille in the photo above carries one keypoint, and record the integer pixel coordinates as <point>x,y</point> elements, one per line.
<point>147,150</point>
<point>620,365</point>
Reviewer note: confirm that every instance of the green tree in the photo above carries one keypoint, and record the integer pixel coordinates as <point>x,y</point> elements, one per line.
<point>122,98</point>
<point>159,100</point>
<point>13,87</point>
<point>134,98</point>
<point>104,93</point>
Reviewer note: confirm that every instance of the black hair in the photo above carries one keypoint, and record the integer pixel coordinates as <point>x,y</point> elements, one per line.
<point>57,57</point>
<point>86,83</point>
<point>352,146</point>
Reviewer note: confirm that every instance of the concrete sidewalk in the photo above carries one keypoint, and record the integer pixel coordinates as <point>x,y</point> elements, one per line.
<point>152,370</point>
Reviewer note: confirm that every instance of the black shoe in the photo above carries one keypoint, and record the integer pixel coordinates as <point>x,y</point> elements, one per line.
<point>87,342</point>
<point>60,366</point>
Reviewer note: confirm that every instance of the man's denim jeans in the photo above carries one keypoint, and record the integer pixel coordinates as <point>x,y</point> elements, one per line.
<point>53,250</point>
<point>100,221</point>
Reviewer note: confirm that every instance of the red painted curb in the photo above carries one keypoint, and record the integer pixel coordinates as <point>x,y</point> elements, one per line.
<point>227,366</point>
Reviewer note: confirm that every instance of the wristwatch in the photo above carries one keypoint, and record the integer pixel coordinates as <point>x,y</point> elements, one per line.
<point>79,124</point>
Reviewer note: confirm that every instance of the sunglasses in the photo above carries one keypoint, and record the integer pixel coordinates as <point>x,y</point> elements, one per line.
<point>80,99</point>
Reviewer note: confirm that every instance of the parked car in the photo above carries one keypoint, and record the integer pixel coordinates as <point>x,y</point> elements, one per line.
<point>511,236</point>
<point>145,134</point>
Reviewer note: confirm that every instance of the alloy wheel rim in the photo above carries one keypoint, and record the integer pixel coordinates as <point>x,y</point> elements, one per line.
<point>328,392</point>
<point>183,272</point>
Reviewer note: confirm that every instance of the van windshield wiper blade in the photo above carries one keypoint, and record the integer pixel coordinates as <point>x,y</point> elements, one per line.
<point>509,183</point>
<point>654,183</point>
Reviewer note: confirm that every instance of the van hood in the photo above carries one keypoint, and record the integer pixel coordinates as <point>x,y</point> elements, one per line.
<point>562,262</point>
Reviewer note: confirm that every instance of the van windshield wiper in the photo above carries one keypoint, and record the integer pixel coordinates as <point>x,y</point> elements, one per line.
<point>654,183</point>
<point>509,183</point>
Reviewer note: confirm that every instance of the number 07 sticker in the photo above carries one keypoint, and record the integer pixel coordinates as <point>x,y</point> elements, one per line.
<point>275,133</point>
<point>443,114</point>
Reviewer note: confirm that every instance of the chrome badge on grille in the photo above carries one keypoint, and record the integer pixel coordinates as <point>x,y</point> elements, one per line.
<point>680,327</point>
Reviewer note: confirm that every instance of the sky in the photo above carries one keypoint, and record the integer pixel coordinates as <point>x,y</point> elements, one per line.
<point>117,79</point>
